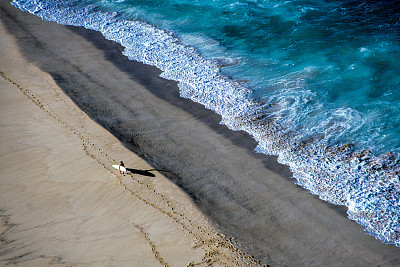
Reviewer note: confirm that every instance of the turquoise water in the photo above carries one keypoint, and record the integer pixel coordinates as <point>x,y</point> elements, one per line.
<point>337,64</point>
<point>315,82</point>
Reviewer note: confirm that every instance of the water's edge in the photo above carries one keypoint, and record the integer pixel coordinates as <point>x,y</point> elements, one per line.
<point>366,184</point>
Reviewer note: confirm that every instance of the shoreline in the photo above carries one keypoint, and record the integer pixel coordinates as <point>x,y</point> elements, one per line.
<point>248,196</point>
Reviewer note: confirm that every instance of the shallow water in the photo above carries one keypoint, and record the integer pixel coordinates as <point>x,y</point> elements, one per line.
<point>315,82</point>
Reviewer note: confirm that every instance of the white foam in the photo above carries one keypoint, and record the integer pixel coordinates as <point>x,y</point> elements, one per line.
<point>366,190</point>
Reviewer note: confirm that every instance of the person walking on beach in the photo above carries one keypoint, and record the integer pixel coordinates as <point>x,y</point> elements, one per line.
<point>121,164</point>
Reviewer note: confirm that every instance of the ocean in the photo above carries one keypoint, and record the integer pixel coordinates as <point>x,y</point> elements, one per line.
<point>316,83</point>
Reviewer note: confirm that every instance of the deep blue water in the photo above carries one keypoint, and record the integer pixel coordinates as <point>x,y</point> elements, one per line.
<point>315,82</point>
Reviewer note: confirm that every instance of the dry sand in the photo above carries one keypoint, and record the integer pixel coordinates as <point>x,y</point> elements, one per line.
<point>55,210</point>
<point>61,201</point>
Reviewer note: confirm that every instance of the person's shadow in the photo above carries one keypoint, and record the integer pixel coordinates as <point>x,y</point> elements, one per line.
<point>142,172</point>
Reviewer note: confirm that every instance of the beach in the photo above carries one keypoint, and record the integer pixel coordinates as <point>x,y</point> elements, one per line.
<point>197,193</point>
<point>63,204</point>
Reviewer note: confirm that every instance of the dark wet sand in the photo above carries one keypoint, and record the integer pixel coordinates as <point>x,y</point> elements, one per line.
<point>250,197</point>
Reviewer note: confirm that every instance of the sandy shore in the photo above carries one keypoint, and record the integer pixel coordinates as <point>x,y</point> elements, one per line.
<point>66,205</point>
<point>61,201</point>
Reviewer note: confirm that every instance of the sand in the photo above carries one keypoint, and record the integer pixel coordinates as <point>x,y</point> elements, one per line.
<point>63,204</point>
<point>67,205</point>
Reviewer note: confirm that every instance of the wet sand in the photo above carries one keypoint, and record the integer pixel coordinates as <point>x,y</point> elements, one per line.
<point>246,196</point>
